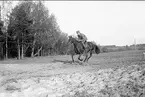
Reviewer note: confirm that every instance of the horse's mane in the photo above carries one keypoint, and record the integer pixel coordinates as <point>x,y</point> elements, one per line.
<point>76,43</point>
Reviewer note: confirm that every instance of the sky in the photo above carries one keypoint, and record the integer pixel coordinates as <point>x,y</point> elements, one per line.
<point>105,22</point>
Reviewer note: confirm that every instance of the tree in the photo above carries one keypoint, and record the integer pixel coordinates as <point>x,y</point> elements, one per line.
<point>33,28</point>
<point>45,28</point>
<point>5,9</point>
<point>61,45</point>
<point>20,22</point>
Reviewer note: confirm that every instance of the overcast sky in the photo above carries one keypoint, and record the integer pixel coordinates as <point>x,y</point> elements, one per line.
<point>105,22</point>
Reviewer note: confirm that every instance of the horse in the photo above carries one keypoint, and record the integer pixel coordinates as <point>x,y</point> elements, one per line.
<point>76,47</point>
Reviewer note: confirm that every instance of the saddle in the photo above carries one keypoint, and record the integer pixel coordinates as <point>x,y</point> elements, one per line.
<point>82,42</point>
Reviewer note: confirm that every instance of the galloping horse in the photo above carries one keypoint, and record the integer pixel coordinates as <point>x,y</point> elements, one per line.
<point>76,47</point>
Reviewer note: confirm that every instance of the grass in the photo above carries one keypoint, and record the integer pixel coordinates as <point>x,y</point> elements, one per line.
<point>101,61</point>
<point>110,57</point>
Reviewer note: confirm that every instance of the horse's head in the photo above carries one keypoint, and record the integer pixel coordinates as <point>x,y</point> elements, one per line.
<point>71,39</point>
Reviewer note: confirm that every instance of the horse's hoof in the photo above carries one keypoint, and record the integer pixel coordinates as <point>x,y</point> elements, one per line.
<point>80,59</point>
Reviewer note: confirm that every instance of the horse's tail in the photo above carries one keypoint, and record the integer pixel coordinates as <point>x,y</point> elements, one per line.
<point>97,50</point>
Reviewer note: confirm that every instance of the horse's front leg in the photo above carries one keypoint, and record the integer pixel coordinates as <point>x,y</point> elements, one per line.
<point>72,58</point>
<point>86,57</point>
<point>79,58</point>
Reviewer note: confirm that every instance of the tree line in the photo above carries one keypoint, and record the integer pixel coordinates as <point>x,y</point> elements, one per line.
<point>114,48</point>
<point>31,31</point>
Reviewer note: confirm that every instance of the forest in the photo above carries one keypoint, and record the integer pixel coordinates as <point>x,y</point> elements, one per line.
<point>30,30</point>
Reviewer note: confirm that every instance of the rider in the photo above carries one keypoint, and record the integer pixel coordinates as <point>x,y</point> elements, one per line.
<point>82,38</point>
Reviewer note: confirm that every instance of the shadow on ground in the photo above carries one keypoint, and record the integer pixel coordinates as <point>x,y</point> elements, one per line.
<point>68,62</point>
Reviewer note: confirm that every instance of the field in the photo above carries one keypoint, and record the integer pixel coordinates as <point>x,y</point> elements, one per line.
<point>19,76</point>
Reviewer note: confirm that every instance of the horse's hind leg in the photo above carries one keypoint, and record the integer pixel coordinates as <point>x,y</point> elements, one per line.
<point>79,58</point>
<point>89,56</point>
